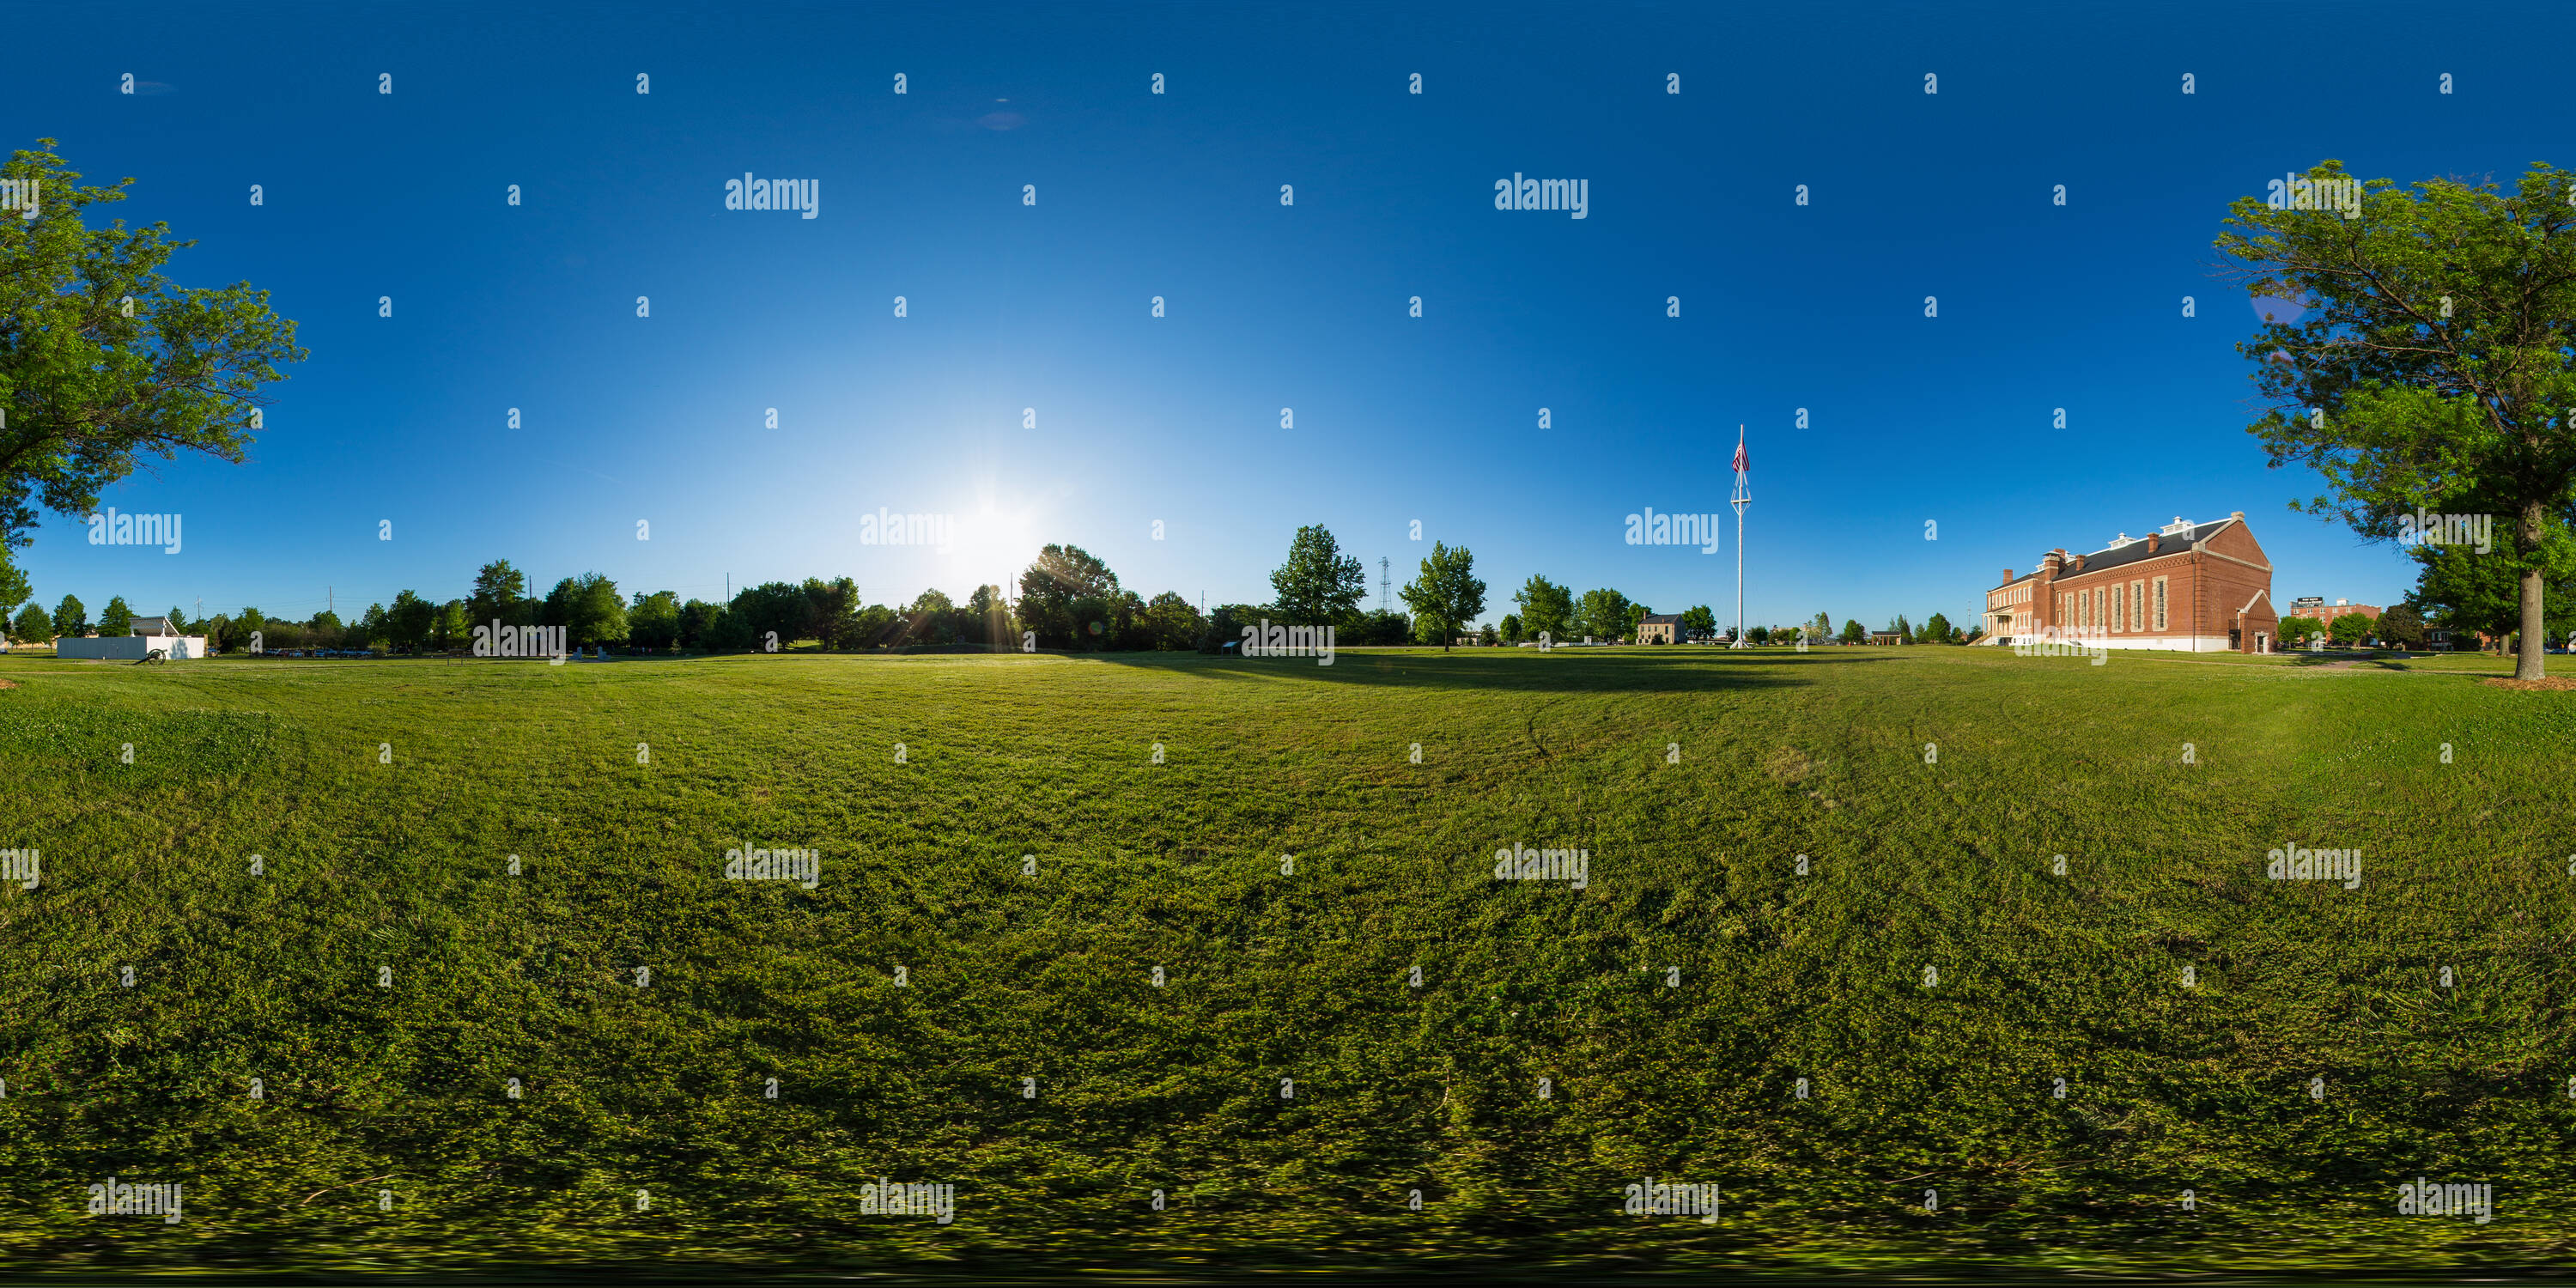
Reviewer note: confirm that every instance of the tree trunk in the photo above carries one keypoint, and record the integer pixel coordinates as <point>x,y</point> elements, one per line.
<point>2535,638</point>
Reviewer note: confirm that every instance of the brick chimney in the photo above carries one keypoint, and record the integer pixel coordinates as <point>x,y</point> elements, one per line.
<point>2050,563</point>
<point>2154,539</point>
<point>2007,578</point>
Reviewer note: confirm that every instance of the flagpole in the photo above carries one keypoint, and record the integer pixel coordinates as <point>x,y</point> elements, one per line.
<point>1743,497</point>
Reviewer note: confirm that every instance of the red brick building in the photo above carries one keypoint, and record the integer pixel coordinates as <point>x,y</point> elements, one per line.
<point>2191,587</point>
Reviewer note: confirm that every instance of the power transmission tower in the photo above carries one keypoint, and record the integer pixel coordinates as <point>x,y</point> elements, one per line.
<point>1385,585</point>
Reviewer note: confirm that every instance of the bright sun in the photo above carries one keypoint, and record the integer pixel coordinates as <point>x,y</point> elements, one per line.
<point>991,547</point>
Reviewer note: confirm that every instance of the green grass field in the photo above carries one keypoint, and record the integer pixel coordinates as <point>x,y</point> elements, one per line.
<point>1918,860</point>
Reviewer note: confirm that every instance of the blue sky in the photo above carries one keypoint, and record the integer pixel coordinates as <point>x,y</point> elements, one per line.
<point>1139,419</point>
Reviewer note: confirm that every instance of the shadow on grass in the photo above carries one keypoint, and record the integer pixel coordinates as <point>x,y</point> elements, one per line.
<point>1521,670</point>
<point>2375,659</point>
<point>1515,670</point>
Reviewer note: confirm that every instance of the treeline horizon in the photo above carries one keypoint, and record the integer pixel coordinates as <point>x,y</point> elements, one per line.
<point>1068,600</point>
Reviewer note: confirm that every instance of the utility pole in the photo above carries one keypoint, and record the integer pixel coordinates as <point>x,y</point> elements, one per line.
<point>1385,585</point>
<point>1742,498</point>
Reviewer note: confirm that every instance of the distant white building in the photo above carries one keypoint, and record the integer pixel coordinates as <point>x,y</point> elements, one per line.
<point>149,633</point>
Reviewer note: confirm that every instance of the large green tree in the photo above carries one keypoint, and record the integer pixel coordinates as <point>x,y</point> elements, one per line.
<point>1172,622</point>
<point>117,618</point>
<point>832,613</point>
<point>654,620</point>
<point>1546,608</point>
<point>33,626</point>
<point>1448,593</point>
<point>1050,588</point>
<point>988,611</point>
<point>102,359</point>
<point>450,629</point>
<point>589,609</point>
<point>1319,585</point>
<point>1602,614</point>
<point>2465,592</point>
<point>71,617</point>
<point>2427,357</point>
<point>411,619</point>
<point>500,593</point>
<point>2401,626</point>
<point>772,608</point>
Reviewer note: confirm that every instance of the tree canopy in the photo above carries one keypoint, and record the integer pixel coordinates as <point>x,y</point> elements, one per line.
<point>1602,614</point>
<point>2426,359</point>
<point>102,359</point>
<point>1319,584</point>
<point>1447,594</point>
<point>1051,588</point>
<point>1546,608</point>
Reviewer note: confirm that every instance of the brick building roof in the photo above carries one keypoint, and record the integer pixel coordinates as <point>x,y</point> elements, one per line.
<point>2167,543</point>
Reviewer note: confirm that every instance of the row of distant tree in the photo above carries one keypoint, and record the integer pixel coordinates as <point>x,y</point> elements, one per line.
<point>2399,627</point>
<point>1068,599</point>
<point>1556,612</point>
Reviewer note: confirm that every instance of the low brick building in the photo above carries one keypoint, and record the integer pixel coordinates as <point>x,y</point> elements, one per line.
<point>2189,587</point>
